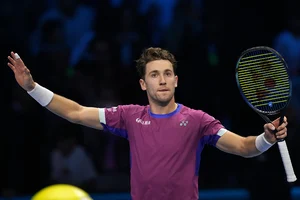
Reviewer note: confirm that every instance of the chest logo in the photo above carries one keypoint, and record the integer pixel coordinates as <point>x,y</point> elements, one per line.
<point>138,120</point>
<point>184,123</point>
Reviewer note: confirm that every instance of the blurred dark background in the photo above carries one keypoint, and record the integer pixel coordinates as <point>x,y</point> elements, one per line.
<point>85,50</point>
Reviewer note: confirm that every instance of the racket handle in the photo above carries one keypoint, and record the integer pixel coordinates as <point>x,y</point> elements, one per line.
<point>287,163</point>
<point>280,122</point>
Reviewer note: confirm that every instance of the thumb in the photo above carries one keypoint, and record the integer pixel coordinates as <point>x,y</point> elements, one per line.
<point>27,71</point>
<point>270,126</point>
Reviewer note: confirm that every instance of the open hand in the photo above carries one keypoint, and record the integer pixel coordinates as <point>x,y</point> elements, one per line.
<point>22,73</point>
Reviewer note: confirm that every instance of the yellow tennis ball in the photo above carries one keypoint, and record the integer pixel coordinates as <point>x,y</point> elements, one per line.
<point>61,192</point>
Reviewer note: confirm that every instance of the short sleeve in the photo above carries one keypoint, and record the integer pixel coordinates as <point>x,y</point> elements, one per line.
<point>211,129</point>
<point>114,119</point>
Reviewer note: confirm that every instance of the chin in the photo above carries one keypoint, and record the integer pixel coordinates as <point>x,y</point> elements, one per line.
<point>164,101</point>
<point>161,100</point>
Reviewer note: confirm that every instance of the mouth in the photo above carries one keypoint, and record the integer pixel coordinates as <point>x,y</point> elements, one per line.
<point>163,90</point>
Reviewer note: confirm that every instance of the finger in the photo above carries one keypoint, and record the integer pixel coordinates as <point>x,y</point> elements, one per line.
<point>11,60</point>
<point>282,126</point>
<point>276,122</point>
<point>281,134</point>
<point>282,131</point>
<point>12,67</point>
<point>17,56</point>
<point>12,54</point>
<point>16,61</point>
<point>285,119</point>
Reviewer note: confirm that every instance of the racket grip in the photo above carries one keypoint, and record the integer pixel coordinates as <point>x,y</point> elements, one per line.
<point>280,122</point>
<point>287,163</point>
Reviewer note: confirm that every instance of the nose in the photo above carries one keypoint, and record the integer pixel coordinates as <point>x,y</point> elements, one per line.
<point>162,81</point>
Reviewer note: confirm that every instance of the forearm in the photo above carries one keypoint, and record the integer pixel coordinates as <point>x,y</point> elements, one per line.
<point>255,145</point>
<point>243,146</point>
<point>64,108</point>
<point>57,104</point>
<point>250,149</point>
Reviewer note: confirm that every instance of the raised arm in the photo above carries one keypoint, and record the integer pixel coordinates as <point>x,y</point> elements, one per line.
<point>59,105</point>
<point>252,145</point>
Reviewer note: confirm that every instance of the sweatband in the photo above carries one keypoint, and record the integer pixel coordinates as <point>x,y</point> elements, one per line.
<point>261,143</point>
<point>42,95</point>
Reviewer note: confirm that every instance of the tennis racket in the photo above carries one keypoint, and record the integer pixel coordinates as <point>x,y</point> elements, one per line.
<point>264,83</point>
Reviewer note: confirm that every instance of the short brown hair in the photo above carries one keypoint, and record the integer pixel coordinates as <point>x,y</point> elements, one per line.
<point>151,54</point>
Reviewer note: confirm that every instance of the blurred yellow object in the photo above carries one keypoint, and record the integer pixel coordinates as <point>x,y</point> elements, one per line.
<point>61,192</point>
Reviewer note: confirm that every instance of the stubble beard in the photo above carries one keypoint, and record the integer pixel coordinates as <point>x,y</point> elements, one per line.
<point>161,101</point>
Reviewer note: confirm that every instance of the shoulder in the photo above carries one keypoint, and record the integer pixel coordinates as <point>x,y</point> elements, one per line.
<point>198,115</point>
<point>132,108</point>
<point>192,112</point>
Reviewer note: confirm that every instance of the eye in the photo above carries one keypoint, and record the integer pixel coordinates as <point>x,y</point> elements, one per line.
<point>169,74</point>
<point>153,75</point>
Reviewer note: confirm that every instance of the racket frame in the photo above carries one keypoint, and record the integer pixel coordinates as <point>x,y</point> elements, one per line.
<point>242,93</point>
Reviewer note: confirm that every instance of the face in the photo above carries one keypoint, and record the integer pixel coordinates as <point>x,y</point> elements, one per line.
<point>160,82</point>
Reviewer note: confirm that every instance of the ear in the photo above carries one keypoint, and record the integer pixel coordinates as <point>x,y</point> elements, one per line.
<point>176,81</point>
<point>143,84</point>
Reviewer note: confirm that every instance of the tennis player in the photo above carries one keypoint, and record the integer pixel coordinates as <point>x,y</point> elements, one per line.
<point>166,138</point>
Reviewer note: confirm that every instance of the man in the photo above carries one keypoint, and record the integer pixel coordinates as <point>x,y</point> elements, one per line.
<point>166,138</point>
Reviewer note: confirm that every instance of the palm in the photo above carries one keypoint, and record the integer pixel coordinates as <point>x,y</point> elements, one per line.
<point>23,78</point>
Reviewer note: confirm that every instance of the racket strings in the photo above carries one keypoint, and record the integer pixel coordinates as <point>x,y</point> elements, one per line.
<point>264,80</point>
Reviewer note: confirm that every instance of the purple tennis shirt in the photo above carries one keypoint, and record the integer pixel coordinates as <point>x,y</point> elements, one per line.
<point>165,148</point>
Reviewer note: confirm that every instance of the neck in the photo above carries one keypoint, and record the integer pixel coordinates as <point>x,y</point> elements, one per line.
<point>157,108</point>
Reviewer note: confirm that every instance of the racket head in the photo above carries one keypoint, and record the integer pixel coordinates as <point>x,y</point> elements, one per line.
<point>263,80</point>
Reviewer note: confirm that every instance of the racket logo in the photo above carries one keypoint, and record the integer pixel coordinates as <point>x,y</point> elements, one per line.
<point>270,83</point>
<point>263,84</point>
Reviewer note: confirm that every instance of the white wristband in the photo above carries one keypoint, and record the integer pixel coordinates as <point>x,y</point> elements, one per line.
<point>42,95</point>
<point>261,143</point>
